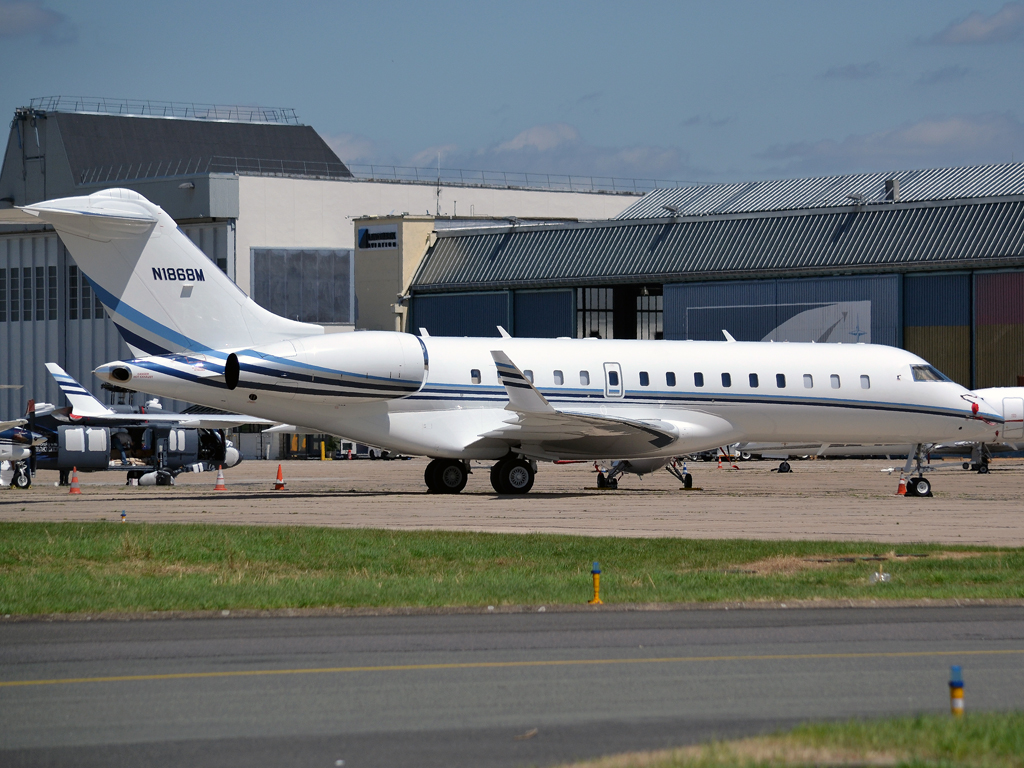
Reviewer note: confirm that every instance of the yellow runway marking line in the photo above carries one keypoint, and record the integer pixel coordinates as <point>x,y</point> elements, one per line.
<point>504,665</point>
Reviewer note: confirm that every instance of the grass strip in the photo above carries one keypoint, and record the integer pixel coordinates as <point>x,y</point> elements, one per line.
<point>981,740</point>
<point>94,567</point>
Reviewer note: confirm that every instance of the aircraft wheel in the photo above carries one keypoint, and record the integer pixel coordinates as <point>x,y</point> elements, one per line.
<point>430,475</point>
<point>920,487</point>
<point>451,476</point>
<point>784,468</point>
<point>22,479</point>
<point>983,469</point>
<point>512,476</point>
<point>967,465</point>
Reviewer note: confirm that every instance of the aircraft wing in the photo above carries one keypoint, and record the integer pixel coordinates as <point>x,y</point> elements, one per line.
<point>5,425</point>
<point>543,431</point>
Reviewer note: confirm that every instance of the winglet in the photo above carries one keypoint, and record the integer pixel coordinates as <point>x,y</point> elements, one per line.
<point>522,395</point>
<point>82,401</point>
<point>504,334</point>
<point>728,336</point>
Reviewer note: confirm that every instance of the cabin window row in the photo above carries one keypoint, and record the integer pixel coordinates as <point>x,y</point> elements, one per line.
<point>753,380</point>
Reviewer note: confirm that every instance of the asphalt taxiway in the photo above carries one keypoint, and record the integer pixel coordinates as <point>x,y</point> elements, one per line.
<point>478,690</point>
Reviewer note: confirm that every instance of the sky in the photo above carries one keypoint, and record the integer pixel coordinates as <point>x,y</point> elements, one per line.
<point>713,91</point>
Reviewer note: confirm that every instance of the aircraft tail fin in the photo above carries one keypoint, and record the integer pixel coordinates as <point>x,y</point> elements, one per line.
<point>82,401</point>
<point>162,292</point>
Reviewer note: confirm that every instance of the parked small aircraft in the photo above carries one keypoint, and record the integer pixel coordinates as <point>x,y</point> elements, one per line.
<point>150,444</point>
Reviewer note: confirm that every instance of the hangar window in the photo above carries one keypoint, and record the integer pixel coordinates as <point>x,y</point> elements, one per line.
<point>26,293</point>
<point>670,379</point>
<point>834,379</point>
<point>753,381</point>
<point>86,298</point>
<point>474,375</point>
<point>645,380</point>
<point>51,292</point>
<point>808,381</point>
<point>698,379</point>
<point>594,313</point>
<point>865,382</point>
<point>780,380</point>
<point>40,293</point>
<point>529,375</point>
<point>312,285</point>
<point>72,293</point>
<point>14,295</point>
<point>559,378</point>
<point>726,379</point>
<point>584,377</point>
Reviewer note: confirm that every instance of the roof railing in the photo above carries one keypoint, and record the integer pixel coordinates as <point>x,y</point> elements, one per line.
<point>177,109</point>
<point>380,173</point>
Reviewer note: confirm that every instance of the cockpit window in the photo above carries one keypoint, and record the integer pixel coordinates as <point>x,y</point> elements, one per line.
<point>928,373</point>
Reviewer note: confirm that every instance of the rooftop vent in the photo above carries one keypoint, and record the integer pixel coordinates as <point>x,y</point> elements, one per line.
<point>892,190</point>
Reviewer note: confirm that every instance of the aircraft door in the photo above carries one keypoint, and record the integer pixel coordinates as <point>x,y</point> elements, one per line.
<point>1013,413</point>
<point>613,385</point>
<point>83,447</point>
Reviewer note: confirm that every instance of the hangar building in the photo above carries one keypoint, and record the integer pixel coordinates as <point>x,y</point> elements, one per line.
<point>928,260</point>
<point>261,194</point>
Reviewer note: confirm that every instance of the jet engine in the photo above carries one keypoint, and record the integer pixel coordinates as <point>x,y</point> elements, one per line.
<point>360,367</point>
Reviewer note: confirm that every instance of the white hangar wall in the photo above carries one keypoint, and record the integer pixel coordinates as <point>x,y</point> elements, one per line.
<point>281,212</point>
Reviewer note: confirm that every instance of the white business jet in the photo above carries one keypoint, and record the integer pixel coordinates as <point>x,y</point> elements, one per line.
<point>513,401</point>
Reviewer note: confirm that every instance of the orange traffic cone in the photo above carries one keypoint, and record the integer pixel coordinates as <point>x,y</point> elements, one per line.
<point>902,490</point>
<point>279,483</point>
<point>719,459</point>
<point>74,481</point>
<point>220,479</point>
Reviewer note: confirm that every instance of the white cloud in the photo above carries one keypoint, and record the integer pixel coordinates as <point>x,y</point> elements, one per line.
<point>559,148</point>
<point>24,18</point>
<point>352,147</point>
<point>933,142</point>
<point>1004,25</point>
<point>541,138</point>
<point>428,157</point>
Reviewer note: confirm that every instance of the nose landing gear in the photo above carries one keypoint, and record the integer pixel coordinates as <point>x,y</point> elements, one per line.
<point>919,486</point>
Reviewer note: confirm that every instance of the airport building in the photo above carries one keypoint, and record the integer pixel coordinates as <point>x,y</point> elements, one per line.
<point>261,194</point>
<point>931,261</point>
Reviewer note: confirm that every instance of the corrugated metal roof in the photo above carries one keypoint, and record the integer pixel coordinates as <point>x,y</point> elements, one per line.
<point>1006,179</point>
<point>877,238</point>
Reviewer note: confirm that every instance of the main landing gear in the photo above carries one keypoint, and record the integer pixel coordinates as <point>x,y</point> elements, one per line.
<point>980,457</point>
<point>513,475</point>
<point>446,475</point>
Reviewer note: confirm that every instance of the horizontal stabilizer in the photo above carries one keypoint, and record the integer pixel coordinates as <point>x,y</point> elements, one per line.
<point>83,403</point>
